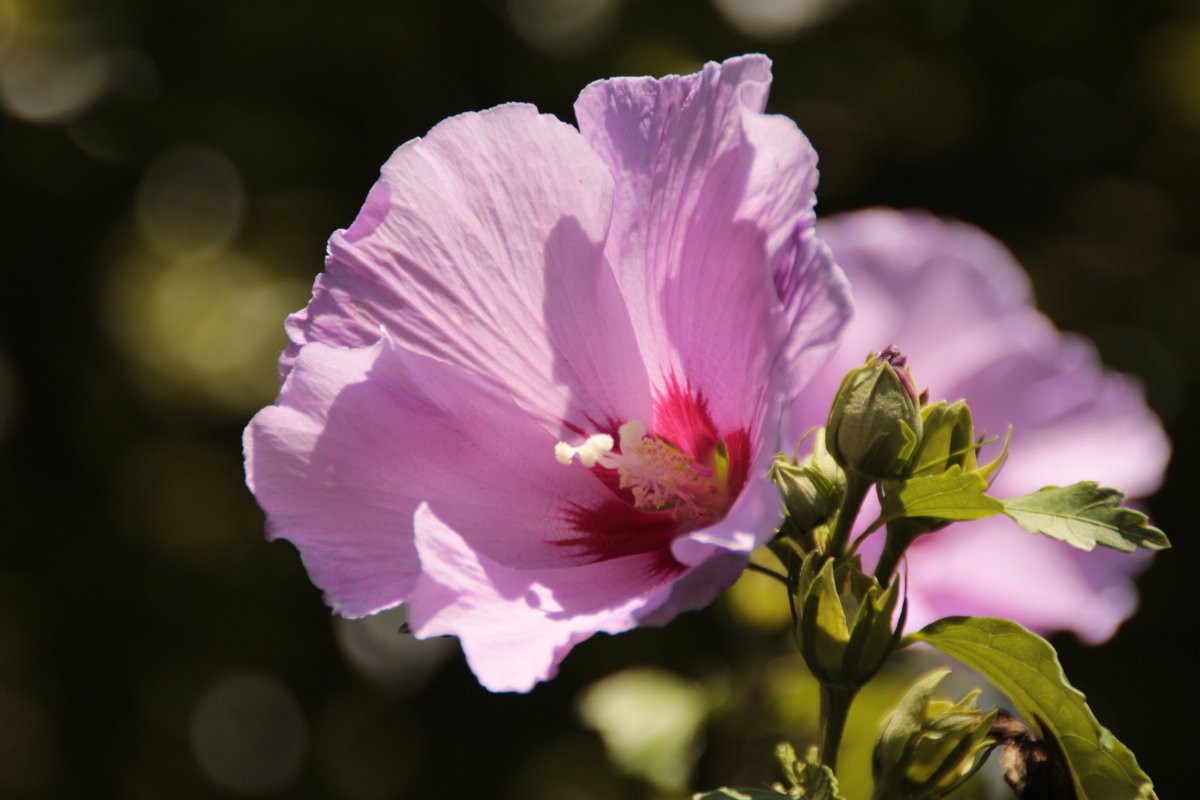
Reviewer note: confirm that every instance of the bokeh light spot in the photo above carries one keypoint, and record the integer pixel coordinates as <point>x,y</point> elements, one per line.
<point>777,20</point>
<point>378,650</point>
<point>52,82</point>
<point>191,200</point>
<point>205,328</point>
<point>564,28</point>
<point>248,734</point>
<point>650,722</point>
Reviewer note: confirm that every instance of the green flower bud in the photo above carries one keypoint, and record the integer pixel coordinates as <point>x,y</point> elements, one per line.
<point>929,747</point>
<point>812,490</point>
<point>844,621</point>
<point>875,422</point>
<point>947,439</point>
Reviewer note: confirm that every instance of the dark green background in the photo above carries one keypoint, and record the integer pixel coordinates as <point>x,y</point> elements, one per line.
<point>132,570</point>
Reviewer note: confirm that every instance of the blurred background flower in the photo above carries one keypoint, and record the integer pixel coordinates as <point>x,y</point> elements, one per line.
<point>960,307</point>
<point>170,173</point>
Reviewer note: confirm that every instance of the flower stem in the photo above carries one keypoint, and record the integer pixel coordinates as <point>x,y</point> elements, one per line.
<point>856,492</point>
<point>835,710</point>
<point>770,573</point>
<point>899,537</point>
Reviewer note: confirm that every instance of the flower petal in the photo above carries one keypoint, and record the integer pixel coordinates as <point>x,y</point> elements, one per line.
<point>516,626</point>
<point>482,245</point>
<point>359,437</point>
<point>996,570</point>
<point>710,198</point>
<point>325,493</point>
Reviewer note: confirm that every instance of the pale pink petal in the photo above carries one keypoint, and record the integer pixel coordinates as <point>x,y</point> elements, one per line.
<point>712,198</point>
<point>359,437</point>
<point>998,570</point>
<point>955,301</point>
<point>326,493</point>
<point>482,245</point>
<point>516,626</point>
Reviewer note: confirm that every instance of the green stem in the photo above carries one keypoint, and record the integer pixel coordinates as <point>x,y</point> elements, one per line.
<point>856,492</point>
<point>835,710</point>
<point>770,573</point>
<point>899,536</point>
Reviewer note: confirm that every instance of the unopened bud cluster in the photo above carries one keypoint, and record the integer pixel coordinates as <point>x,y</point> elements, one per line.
<point>844,621</point>
<point>812,489</point>
<point>928,747</point>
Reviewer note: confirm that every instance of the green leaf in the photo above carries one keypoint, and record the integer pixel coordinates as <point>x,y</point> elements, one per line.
<point>1085,515</point>
<point>952,495</point>
<point>1025,667</point>
<point>739,794</point>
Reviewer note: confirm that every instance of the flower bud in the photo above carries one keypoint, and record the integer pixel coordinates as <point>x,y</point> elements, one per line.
<point>844,621</point>
<point>947,439</point>
<point>813,489</point>
<point>875,422</point>
<point>929,747</point>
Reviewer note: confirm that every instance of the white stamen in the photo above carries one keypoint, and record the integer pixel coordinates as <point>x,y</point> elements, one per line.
<point>631,434</point>
<point>658,475</point>
<point>591,451</point>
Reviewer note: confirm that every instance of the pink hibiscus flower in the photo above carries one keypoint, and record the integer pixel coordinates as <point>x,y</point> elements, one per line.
<point>958,305</point>
<point>537,388</point>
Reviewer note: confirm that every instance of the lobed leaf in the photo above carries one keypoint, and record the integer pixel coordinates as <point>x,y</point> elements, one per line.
<point>1085,515</point>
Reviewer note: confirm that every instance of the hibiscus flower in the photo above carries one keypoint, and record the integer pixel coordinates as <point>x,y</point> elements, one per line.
<point>959,306</point>
<point>538,385</point>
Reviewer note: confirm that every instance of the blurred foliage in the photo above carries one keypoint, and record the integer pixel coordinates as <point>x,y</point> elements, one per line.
<point>169,172</point>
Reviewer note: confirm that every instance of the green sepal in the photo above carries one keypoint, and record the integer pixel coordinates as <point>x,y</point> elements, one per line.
<point>1025,667</point>
<point>947,438</point>
<point>929,747</point>
<point>871,636</point>
<point>951,496</point>
<point>1085,515</point>
<point>824,633</point>
<point>844,620</point>
<point>989,470</point>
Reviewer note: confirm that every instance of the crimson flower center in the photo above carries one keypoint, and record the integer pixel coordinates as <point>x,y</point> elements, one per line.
<point>659,475</point>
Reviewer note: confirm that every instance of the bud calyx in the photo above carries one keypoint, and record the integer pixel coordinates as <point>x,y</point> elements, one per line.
<point>875,422</point>
<point>928,747</point>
